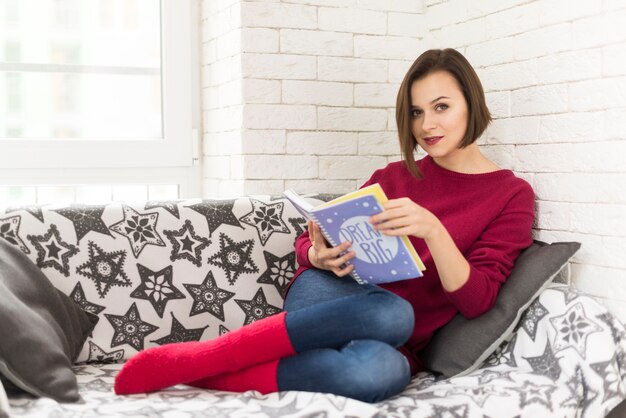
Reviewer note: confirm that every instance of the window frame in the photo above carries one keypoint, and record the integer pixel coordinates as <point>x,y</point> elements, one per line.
<point>176,147</point>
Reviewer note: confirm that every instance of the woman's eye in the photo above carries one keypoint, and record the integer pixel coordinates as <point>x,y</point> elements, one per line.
<point>415,113</point>
<point>441,106</point>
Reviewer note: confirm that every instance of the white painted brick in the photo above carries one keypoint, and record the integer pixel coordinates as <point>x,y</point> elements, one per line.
<point>321,186</point>
<point>318,92</point>
<point>600,157</point>
<point>613,26</point>
<point>513,21</point>
<point>597,94</point>
<point>230,189</point>
<point>356,70</point>
<point>464,33</point>
<point>614,60</point>
<point>351,119</point>
<point>209,52</point>
<point>446,13</point>
<point>553,216</point>
<point>572,127</point>
<point>278,15</point>
<point>535,43</point>
<point>272,116</point>
<point>498,77</point>
<point>602,219</point>
<point>589,32</point>
<point>539,100</point>
<point>502,155</point>
<point>237,165</point>
<point>554,158</point>
<point>398,69</point>
<point>406,24</point>
<point>263,187</point>
<point>600,281</point>
<point>520,130</point>
<point>329,3</point>
<point>218,24</point>
<point>222,143</point>
<point>606,156</point>
<point>322,143</point>
<point>499,104</point>
<point>615,124</point>
<point>391,47</point>
<point>481,8</point>
<point>210,188</point>
<point>497,51</point>
<point>391,120</point>
<point>279,66</point>
<point>210,98</point>
<point>263,141</point>
<point>352,20</point>
<point>225,119</point>
<point>557,11</point>
<point>408,6</point>
<point>229,94</point>
<point>257,90</point>
<point>375,95</point>
<point>216,167</point>
<point>220,72</point>
<point>611,5</point>
<point>228,44</point>
<point>379,143</point>
<point>314,42</point>
<point>611,253</point>
<point>581,187</point>
<point>280,166</point>
<point>259,40</point>
<point>570,66</point>
<point>349,167</point>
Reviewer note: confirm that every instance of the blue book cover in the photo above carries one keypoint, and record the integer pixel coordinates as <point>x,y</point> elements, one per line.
<point>379,258</point>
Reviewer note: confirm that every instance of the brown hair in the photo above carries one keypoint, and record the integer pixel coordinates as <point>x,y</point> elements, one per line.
<point>452,61</point>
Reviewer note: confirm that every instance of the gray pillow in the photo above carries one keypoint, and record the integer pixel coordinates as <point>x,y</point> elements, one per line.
<point>42,330</point>
<point>462,345</point>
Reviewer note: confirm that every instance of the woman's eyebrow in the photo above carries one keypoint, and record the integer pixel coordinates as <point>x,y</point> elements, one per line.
<point>433,101</point>
<point>439,98</point>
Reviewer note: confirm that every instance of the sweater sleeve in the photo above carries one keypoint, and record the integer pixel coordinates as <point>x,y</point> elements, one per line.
<point>492,256</point>
<point>303,243</point>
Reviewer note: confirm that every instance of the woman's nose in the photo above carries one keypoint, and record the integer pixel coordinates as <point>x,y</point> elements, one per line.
<point>428,122</point>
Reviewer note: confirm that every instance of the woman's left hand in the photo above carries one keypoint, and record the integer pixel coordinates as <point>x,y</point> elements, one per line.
<point>405,217</point>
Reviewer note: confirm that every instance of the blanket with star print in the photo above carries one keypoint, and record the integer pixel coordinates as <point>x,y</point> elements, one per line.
<point>567,358</point>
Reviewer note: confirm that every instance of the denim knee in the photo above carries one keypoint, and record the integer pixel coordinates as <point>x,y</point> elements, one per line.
<point>383,373</point>
<point>366,370</point>
<point>391,316</point>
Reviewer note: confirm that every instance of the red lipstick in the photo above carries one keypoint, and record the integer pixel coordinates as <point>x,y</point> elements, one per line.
<point>432,140</point>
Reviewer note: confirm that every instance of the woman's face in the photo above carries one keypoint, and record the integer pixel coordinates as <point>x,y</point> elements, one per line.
<point>438,115</point>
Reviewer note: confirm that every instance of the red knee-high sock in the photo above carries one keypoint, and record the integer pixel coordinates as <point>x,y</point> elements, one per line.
<point>171,364</point>
<point>260,377</point>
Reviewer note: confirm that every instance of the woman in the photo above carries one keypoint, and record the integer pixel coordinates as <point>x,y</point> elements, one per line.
<point>467,218</point>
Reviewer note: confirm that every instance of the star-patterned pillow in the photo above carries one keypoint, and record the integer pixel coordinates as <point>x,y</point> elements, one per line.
<point>462,345</point>
<point>159,272</point>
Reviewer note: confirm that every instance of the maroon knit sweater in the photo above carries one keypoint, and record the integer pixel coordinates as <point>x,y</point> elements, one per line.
<point>489,216</point>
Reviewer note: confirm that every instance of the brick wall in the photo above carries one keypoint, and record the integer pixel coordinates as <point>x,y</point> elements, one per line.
<point>300,94</point>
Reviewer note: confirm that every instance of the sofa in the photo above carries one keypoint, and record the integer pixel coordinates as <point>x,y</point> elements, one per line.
<point>100,282</point>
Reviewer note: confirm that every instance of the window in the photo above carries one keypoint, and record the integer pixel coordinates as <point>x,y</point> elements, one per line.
<point>98,88</point>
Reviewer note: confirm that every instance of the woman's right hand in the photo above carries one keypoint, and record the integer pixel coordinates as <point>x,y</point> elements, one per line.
<point>325,257</point>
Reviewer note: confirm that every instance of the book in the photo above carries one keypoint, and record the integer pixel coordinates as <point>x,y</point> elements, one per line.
<point>379,258</point>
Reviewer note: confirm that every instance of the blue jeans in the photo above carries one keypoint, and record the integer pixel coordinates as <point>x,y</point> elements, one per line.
<point>345,335</point>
